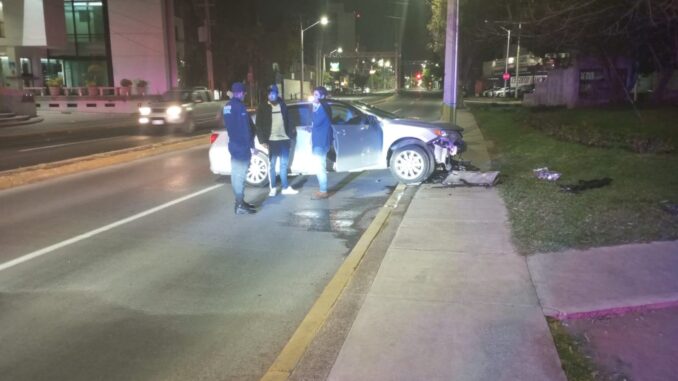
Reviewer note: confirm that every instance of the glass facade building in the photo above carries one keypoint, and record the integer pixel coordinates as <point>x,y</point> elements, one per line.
<point>85,59</point>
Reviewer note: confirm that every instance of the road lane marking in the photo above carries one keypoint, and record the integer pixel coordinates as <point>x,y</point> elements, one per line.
<point>397,110</point>
<point>89,234</point>
<point>65,144</point>
<point>296,346</point>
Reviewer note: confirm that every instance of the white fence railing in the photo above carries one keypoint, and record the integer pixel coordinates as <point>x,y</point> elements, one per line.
<point>84,91</point>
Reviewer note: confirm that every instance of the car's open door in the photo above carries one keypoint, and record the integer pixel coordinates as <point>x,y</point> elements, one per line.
<point>301,155</point>
<point>357,139</point>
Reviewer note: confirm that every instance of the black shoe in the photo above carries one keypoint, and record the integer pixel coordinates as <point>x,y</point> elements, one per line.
<point>242,209</point>
<point>249,206</point>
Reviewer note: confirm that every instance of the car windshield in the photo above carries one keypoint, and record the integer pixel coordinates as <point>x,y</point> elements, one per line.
<point>182,96</point>
<point>376,111</point>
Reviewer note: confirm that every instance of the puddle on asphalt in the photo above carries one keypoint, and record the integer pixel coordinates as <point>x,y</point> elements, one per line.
<point>344,223</point>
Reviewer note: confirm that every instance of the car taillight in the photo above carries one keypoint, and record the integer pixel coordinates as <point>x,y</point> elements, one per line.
<point>213,137</point>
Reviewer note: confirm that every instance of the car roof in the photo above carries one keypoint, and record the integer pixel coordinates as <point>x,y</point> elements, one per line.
<point>331,100</point>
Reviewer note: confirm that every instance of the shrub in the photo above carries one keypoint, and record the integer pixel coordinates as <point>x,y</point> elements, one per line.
<point>55,82</point>
<point>125,82</point>
<point>142,83</point>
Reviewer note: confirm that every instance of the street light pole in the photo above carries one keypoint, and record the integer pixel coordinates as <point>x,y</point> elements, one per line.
<point>323,21</point>
<point>520,28</point>
<point>508,45</point>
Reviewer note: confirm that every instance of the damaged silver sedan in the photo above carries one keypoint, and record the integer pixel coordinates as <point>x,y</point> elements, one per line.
<point>365,138</point>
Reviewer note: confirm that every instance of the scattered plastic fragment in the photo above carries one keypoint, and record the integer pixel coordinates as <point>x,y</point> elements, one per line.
<point>486,179</point>
<point>545,174</point>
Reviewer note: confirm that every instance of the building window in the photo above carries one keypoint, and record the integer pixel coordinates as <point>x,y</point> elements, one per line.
<point>2,21</point>
<point>85,61</point>
<point>84,21</point>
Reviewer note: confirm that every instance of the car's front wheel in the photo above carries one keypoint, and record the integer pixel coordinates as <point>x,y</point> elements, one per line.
<point>410,164</point>
<point>257,174</point>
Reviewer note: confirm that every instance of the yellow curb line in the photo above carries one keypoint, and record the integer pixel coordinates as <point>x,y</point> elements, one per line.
<point>295,348</point>
<point>35,173</point>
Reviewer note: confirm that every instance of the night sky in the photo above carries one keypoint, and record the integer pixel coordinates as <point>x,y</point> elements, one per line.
<point>376,31</point>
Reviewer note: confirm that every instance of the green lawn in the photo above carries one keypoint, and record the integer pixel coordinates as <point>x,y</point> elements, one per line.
<point>629,210</point>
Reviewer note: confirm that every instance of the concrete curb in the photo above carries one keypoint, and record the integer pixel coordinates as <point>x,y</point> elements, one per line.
<point>291,354</point>
<point>32,174</point>
<point>614,309</point>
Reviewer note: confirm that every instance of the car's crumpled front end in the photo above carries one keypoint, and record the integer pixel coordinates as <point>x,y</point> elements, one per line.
<point>446,146</point>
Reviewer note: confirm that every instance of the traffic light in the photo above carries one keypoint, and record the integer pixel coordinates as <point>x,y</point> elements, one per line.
<point>357,14</point>
<point>419,75</point>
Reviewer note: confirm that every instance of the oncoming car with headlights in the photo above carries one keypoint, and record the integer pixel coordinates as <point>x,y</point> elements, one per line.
<point>365,138</point>
<point>184,110</point>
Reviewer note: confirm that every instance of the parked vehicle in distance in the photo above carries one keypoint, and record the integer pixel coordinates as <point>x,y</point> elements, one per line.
<point>365,138</point>
<point>490,92</point>
<point>525,89</point>
<point>184,110</point>
<point>502,92</point>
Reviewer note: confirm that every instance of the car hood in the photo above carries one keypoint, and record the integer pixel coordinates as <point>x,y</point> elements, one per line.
<point>165,104</point>
<point>425,124</point>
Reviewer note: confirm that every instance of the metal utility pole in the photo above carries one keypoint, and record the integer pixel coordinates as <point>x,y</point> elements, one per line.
<point>520,27</point>
<point>508,45</point>
<point>451,47</point>
<point>301,84</point>
<point>208,46</point>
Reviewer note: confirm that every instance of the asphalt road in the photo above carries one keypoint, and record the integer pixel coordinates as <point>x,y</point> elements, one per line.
<point>61,137</point>
<point>142,271</point>
<point>64,136</point>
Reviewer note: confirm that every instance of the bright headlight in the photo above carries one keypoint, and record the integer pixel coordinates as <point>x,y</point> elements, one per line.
<point>145,110</point>
<point>173,111</point>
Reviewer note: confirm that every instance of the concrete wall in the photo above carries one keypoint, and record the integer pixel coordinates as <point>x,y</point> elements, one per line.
<point>139,44</point>
<point>15,101</point>
<point>561,88</point>
<point>34,23</point>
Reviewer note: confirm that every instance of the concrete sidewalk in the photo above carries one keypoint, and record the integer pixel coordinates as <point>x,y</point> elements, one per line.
<point>451,300</point>
<point>604,281</point>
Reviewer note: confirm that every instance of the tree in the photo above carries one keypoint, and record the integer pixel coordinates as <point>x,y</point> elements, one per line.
<point>643,30</point>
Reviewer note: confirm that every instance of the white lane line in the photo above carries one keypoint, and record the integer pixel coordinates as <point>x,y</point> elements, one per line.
<point>65,144</point>
<point>89,234</point>
<point>397,111</point>
<point>61,145</point>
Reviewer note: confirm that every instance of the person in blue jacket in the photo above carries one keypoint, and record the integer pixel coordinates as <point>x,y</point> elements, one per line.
<point>240,144</point>
<point>321,138</point>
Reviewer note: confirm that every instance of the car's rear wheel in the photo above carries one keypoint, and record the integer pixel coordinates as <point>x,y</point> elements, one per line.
<point>257,174</point>
<point>411,164</point>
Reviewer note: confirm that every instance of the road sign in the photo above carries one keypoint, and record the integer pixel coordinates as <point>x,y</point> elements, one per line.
<point>506,76</point>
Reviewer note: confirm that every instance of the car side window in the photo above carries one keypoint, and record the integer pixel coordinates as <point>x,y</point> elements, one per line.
<point>345,115</point>
<point>300,115</point>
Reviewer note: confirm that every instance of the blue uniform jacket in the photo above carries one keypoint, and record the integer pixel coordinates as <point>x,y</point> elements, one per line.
<point>321,131</point>
<point>240,130</point>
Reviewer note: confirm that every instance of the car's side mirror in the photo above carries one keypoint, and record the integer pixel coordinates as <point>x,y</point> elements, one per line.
<point>371,120</point>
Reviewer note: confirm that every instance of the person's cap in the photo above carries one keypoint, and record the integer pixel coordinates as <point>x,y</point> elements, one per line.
<point>273,89</point>
<point>238,87</point>
<point>322,90</point>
